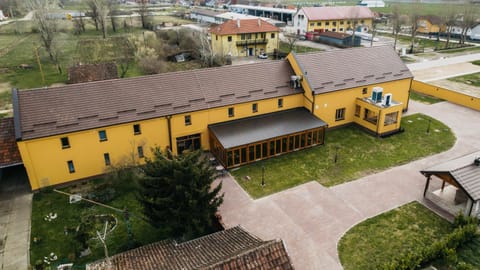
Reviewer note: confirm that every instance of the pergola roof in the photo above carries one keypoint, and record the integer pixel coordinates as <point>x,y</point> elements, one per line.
<point>264,127</point>
<point>463,171</point>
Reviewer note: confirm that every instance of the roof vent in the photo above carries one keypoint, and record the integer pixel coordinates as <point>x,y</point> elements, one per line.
<point>477,161</point>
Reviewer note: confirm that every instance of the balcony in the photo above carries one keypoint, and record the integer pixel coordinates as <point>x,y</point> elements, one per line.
<point>252,42</point>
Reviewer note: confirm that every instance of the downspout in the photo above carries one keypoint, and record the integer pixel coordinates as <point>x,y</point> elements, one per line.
<point>169,127</point>
<point>408,99</point>
<point>313,102</point>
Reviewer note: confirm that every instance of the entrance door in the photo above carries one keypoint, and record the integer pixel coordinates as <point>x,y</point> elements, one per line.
<point>190,142</point>
<point>250,51</point>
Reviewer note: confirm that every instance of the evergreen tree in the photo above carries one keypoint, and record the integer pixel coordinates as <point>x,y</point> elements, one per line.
<point>176,193</point>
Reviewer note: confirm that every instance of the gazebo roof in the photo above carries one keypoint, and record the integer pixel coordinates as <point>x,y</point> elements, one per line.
<point>463,171</point>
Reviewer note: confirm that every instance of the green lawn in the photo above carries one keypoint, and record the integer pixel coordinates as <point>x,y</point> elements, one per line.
<point>470,79</point>
<point>476,62</point>
<point>379,240</point>
<point>285,47</point>
<point>66,246</point>
<point>359,154</point>
<point>461,50</point>
<point>424,98</point>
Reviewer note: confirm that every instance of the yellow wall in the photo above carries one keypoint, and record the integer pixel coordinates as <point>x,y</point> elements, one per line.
<point>446,94</point>
<point>327,104</point>
<point>221,45</point>
<point>380,128</point>
<point>46,161</point>
<point>425,27</point>
<point>323,25</point>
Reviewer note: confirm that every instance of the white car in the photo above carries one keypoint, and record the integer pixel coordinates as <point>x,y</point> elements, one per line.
<point>263,56</point>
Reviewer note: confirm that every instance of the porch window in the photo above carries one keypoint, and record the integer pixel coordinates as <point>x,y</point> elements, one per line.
<point>340,114</point>
<point>370,116</point>
<point>364,90</point>
<point>390,118</point>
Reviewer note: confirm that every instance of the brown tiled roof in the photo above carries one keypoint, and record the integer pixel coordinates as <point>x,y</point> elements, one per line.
<point>337,13</point>
<point>341,69</point>
<point>9,154</point>
<point>231,249</point>
<point>50,111</point>
<point>230,27</point>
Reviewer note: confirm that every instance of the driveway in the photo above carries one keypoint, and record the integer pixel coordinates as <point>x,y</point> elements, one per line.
<point>311,218</point>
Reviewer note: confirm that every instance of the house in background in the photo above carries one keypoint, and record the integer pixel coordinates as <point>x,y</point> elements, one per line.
<point>233,249</point>
<point>204,15</point>
<point>460,191</point>
<point>371,3</point>
<point>250,37</point>
<point>430,25</point>
<point>280,14</point>
<point>240,113</point>
<point>334,19</point>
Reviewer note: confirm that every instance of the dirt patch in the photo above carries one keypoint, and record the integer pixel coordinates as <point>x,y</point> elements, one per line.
<point>4,87</point>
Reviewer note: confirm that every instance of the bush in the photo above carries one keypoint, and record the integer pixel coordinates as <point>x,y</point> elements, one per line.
<point>465,230</point>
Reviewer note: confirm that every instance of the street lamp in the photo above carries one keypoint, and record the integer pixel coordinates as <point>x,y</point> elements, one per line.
<point>336,154</point>
<point>263,176</point>
<point>428,127</point>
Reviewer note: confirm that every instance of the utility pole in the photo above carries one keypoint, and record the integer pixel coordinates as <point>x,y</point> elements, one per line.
<point>40,65</point>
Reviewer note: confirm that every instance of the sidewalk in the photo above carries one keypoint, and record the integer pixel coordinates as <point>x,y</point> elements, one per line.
<point>15,214</point>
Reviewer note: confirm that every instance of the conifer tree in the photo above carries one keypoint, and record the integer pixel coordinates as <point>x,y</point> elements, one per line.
<point>177,195</point>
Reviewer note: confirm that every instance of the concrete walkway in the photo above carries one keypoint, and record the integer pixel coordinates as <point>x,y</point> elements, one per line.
<point>15,213</point>
<point>311,218</point>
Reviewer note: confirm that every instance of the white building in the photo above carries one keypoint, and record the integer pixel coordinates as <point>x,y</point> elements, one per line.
<point>372,3</point>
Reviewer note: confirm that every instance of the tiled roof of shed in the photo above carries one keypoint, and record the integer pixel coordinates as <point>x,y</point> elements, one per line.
<point>231,249</point>
<point>51,111</point>
<point>341,69</point>
<point>463,170</point>
<point>230,27</point>
<point>9,154</point>
<point>337,13</point>
<point>432,19</point>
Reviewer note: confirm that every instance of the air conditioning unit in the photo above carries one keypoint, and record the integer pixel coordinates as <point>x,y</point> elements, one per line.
<point>377,94</point>
<point>477,161</point>
<point>387,100</point>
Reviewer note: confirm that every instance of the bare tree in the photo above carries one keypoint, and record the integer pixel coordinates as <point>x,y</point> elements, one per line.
<point>143,11</point>
<point>396,24</point>
<point>470,12</point>
<point>414,16</point>
<point>113,8</point>
<point>450,20</point>
<point>79,24</point>
<point>93,12</point>
<point>291,40</point>
<point>125,53</point>
<point>47,27</point>
<point>102,11</point>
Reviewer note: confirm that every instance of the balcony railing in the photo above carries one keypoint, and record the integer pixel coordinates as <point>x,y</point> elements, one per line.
<point>252,41</point>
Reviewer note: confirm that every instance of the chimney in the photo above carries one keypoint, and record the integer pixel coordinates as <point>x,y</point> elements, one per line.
<point>259,22</point>
<point>238,23</point>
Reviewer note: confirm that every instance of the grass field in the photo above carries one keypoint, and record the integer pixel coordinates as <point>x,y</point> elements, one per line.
<point>424,98</point>
<point>359,154</point>
<point>470,79</point>
<point>379,240</point>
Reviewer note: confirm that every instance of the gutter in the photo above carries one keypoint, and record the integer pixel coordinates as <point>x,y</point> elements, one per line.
<point>16,115</point>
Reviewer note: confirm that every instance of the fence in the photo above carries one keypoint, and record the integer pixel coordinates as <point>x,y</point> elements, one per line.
<point>446,94</point>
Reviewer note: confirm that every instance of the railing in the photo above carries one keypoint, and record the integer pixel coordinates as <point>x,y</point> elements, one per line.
<point>252,41</point>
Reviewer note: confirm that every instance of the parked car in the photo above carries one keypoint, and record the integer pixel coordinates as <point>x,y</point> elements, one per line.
<point>263,56</point>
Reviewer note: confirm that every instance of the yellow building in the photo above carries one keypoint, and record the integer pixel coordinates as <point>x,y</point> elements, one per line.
<point>247,37</point>
<point>240,113</point>
<point>334,19</point>
<point>430,25</point>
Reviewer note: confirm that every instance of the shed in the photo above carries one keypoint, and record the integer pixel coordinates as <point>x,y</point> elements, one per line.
<point>338,39</point>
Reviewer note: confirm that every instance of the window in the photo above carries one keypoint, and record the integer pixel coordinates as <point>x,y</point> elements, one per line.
<point>340,114</point>
<point>229,38</point>
<point>262,35</point>
<point>341,30</point>
<point>272,35</point>
<point>365,90</point>
<point>242,36</point>
<point>319,24</point>
<point>188,120</point>
<point>231,112</point>
<point>334,23</point>
<point>249,36</point>
<point>334,30</point>
<point>327,23</point>
<point>102,135</point>
<point>216,37</point>
<point>254,107</point>
<point>65,142</point>
<point>357,110</point>
<point>140,151</point>
<point>312,24</point>
<point>341,22</point>
<point>362,21</point>
<point>280,103</point>
<point>106,157</point>
<point>71,167</point>
<point>349,22</point>
<point>136,129</point>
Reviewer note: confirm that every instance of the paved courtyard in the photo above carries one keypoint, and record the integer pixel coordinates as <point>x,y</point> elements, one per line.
<point>311,218</point>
